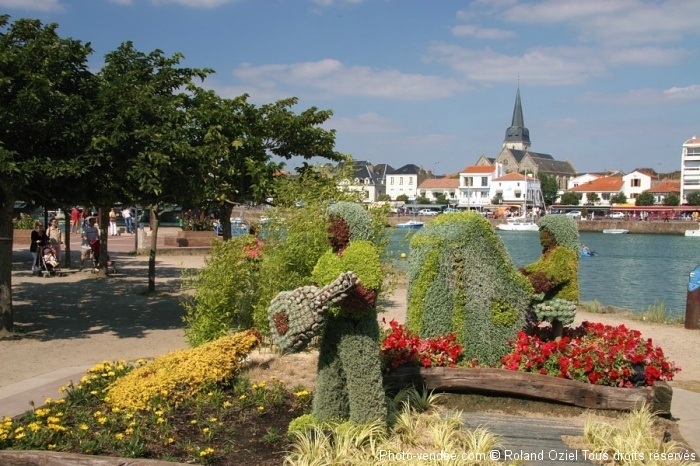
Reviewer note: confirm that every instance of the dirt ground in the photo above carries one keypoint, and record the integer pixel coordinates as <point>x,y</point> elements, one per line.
<point>79,320</point>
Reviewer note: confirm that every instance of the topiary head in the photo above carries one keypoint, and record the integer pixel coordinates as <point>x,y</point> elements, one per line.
<point>338,233</point>
<point>559,230</point>
<point>356,217</point>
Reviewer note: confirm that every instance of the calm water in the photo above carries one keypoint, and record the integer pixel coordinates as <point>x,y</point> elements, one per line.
<point>630,271</point>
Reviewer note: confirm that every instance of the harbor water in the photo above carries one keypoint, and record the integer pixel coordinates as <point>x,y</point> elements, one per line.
<point>629,271</point>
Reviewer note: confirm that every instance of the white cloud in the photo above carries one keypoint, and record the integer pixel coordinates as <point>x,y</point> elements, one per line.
<point>333,78</point>
<point>36,5</point>
<point>616,23</point>
<point>365,123</point>
<point>481,33</point>
<point>326,3</point>
<point>647,56</point>
<point>647,96</point>
<point>543,65</point>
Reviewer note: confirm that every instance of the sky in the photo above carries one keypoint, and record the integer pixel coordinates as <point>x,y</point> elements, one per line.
<point>605,84</point>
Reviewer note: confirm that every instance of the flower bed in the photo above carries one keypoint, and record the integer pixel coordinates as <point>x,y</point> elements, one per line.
<point>593,366</point>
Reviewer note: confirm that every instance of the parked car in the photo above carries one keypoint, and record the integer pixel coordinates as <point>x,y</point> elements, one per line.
<point>450,210</point>
<point>428,212</point>
<point>574,214</point>
<point>616,215</point>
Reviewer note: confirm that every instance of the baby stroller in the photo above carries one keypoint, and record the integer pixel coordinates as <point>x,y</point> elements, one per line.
<point>47,262</point>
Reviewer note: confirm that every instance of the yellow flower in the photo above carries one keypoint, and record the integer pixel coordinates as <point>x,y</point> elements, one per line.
<point>193,421</point>
<point>19,436</point>
<point>97,414</point>
<point>34,426</point>
<point>260,408</point>
<point>160,420</point>
<point>51,446</point>
<point>53,420</point>
<point>84,427</point>
<point>171,440</point>
<point>129,431</point>
<point>242,397</point>
<point>158,413</point>
<point>111,373</point>
<point>63,389</point>
<point>301,393</point>
<point>119,436</point>
<point>48,401</point>
<point>19,429</point>
<point>205,430</point>
<point>102,420</point>
<point>93,392</point>
<point>213,419</point>
<point>116,410</point>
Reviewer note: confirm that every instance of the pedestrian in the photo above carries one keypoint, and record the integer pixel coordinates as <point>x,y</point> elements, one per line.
<point>55,237</point>
<point>38,239</point>
<point>84,214</point>
<point>112,222</point>
<point>90,235</point>
<point>128,220</point>
<point>75,220</point>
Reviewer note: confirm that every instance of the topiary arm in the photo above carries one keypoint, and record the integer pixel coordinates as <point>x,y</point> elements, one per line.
<point>297,316</point>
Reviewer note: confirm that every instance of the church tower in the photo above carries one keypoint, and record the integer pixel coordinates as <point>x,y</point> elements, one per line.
<point>517,136</point>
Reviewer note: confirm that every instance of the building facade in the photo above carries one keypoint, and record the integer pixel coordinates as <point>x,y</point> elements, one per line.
<point>690,168</point>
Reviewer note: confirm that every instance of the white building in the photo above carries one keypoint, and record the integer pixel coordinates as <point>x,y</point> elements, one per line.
<point>433,187</point>
<point>474,188</point>
<point>405,180</point>
<point>690,167</point>
<point>517,189</point>
<point>636,183</point>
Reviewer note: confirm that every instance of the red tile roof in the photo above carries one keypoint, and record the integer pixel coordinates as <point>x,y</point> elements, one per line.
<point>667,186</point>
<point>478,169</point>
<point>445,183</point>
<point>599,185</point>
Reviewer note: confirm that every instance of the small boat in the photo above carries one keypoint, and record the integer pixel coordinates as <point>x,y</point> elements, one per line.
<point>616,231</point>
<point>518,224</point>
<point>411,224</point>
<point>695,232</point>
<point>586,252</point>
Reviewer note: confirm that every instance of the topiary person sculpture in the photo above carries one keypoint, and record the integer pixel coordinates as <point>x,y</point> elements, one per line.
<point>343,312</point>
<point>554,276</point>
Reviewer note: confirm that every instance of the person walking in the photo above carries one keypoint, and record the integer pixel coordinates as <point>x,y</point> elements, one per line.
<point>75,220</point>
<point>38,239</point>
<point>112,222</point>
<point>55,237</point>
<point>90,235</point>
<point>128,220</point>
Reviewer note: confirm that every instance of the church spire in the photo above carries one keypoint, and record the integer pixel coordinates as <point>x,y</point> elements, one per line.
<point>517,136</point>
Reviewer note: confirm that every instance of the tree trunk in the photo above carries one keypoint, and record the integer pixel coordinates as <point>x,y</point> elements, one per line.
<point>155,220</point>
<point>6,318</point>
<point>225,220</point>
<point>66,238</point>
<point>103,221</point>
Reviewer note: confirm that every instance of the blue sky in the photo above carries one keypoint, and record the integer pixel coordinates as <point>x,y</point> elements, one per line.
<point>606,84</point>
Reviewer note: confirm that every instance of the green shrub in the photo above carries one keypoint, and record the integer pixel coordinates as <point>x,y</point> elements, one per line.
<point>356,217</point>
<point>458,267</point>
<point>221,296</point>
<point>25,222</point>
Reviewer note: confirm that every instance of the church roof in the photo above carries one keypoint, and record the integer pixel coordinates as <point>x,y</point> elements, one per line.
<point>517,131</point>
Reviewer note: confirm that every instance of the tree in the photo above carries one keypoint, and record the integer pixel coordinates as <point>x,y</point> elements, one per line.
<point>570,198</point>
<point>384,198</point>
<point>440,198</point>
<point>693,198</point>
<point>44,84</point>
<point>237,141</point>
<point>644,199</point>
<point>618,198</point>
<point>592,198</point>
<point>497,199</point>
<point>402,198</point>
<point>672,200</point>
<point>549,186</point>
<point>422,200</point>
<point>143,133</point>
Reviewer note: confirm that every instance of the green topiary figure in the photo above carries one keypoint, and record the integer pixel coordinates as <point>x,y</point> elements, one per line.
<point>555,275</point>
<point>349,384</point>
<point>462,280</point>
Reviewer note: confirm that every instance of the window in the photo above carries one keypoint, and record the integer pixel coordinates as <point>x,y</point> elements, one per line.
<point>401,180</point>
<point>484,181</point>
<point>410,181</point>
<point>636,182</point>
<point>469,181</point>
<point>391,180</point>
